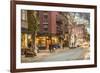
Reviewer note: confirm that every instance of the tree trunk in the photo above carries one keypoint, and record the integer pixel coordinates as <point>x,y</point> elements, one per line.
<point>34,42</point>
<point>33,39</point>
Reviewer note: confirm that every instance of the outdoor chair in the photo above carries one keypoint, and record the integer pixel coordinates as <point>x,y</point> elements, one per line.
<point>29,53</point>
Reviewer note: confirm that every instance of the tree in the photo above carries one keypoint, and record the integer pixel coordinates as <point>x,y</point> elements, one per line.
<point>68,20</point>
<point>33,24</point>
<point>87,37</point>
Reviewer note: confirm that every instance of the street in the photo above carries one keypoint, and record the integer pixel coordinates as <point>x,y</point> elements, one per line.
<point>59,55</point>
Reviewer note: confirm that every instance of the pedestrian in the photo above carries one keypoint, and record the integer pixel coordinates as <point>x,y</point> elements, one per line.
<point>51,48</point>
<point>29,44</point>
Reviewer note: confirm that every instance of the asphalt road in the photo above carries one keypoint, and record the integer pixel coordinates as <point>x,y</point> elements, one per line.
<point>59,55</point>
<point>73,54</point>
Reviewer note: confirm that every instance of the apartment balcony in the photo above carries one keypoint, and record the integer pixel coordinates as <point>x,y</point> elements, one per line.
<point>45,22</point>
<point>45,26</point>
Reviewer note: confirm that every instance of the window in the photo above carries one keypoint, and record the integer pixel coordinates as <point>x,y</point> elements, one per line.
<point>45,17</point>
<point>24,15</point>
<point>45,29</point>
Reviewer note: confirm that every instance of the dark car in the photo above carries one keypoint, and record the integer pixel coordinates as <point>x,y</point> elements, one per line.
<point>56,46</point>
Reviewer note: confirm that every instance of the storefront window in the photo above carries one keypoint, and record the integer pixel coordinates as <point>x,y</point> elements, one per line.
<point>42,41</point>
<point>54,40</point>
<point>24,40</point>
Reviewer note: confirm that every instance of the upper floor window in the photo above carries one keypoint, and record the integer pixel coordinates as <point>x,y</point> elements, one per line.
<point>24,15</point>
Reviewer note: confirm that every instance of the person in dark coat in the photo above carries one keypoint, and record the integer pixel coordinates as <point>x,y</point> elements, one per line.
<point>30,44</point>
<point>51,48</point>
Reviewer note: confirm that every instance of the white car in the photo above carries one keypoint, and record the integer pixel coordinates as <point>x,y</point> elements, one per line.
<point>85,45</point>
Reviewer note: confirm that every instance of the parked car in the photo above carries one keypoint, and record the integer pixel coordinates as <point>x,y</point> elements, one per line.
<point>85,45</point>
<point>56,46</point>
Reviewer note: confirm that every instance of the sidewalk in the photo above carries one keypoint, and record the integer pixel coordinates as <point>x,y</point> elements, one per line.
<point>41,55</point>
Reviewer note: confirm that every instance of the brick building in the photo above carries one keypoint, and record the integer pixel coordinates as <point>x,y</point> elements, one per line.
<point>50,23</point>
<point>77,35</point>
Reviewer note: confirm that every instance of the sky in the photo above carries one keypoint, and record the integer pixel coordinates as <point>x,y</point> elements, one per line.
<point>83,18</point>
